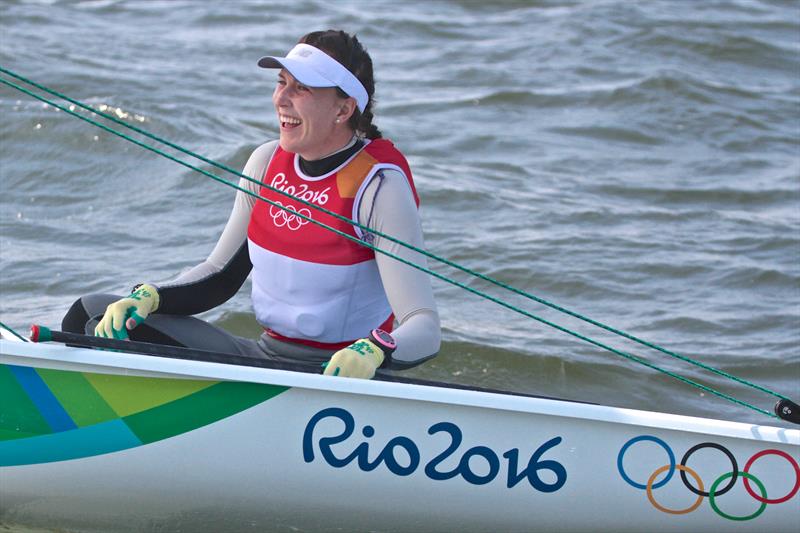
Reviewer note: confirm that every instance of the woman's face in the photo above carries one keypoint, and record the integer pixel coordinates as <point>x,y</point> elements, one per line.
<point>308,115</point>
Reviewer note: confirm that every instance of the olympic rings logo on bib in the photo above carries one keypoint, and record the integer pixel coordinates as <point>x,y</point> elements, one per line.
<point>698,488</point>
<point>286,216</point>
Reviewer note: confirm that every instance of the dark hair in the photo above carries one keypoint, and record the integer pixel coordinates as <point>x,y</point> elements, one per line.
<point>346,49</point>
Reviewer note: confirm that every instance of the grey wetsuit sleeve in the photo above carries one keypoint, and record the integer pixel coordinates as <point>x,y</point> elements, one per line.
<point>388,206</point>
<point>222,274</point>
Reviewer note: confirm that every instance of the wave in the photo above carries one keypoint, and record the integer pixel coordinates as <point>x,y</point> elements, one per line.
<point>717,45</point>
<point>692,196</point>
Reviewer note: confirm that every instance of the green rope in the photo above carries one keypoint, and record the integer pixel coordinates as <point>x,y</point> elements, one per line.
<point>20,337</point>
<point>393,256</point>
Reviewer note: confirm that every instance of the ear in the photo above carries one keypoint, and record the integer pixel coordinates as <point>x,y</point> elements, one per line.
<point>347,107</point>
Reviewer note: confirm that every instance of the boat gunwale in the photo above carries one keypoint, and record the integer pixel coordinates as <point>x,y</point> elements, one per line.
<point>89,360</point>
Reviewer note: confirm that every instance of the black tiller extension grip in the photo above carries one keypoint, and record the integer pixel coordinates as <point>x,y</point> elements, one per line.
<point>788,410</point>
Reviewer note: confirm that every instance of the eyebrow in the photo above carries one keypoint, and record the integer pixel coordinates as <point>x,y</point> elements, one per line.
<point>284,75</point>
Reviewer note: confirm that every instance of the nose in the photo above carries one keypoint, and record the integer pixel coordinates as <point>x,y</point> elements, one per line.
<point>279,96</point>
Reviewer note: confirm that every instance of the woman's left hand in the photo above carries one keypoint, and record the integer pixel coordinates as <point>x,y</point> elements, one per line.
<point>359,360</point>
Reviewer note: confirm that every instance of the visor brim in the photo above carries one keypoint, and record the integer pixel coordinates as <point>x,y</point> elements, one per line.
<point>301,71</point>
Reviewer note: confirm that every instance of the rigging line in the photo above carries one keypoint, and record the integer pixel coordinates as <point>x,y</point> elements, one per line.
<point>400,259</point>
<point>430,255</point>
<point>10,329</point>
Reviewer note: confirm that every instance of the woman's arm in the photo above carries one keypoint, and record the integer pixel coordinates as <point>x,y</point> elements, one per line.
<point>221,275</point>
<point>388,206</point>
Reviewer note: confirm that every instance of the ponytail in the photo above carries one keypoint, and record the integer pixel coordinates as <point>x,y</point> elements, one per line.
<point>362,123</point>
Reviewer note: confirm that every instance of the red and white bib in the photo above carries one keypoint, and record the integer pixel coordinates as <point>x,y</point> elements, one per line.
<point>311,285</point>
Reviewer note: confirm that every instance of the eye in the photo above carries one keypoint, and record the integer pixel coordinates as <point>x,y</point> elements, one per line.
<point>303,88</point>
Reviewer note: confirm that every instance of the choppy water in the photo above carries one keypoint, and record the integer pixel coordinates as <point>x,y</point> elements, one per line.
<point>637,162</point>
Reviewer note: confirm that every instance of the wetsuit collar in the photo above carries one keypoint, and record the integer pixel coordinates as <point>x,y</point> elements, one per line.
<point>318,167</point>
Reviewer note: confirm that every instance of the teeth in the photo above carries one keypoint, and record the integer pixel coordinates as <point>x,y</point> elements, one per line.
<point>289,120</point>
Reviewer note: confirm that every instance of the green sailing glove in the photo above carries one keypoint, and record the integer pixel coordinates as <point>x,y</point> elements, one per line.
<point>359,360</point>
<point>128,313</point>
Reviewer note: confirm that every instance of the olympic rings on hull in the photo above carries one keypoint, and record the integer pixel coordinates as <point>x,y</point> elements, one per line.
<point>683,470</point>
<point>723,449</point>
<point>745,476</point>
<point>660,443</point>
<point>714,491</point>
<point>791,462</point>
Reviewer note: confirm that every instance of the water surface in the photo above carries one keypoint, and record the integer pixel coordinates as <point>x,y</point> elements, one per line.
<point>636,162</point>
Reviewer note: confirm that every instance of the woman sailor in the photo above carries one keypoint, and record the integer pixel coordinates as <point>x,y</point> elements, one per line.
<point>315,293</point>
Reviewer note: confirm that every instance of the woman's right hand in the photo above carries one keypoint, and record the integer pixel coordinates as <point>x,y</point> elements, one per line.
<point>128,313</point>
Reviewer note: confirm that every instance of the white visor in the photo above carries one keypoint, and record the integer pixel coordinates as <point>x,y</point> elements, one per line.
<point>314,68</point>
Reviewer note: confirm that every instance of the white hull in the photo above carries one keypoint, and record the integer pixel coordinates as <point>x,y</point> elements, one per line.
<point>264,468</point>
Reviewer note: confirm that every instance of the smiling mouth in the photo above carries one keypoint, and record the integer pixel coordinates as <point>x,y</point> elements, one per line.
<point>289,122</point>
